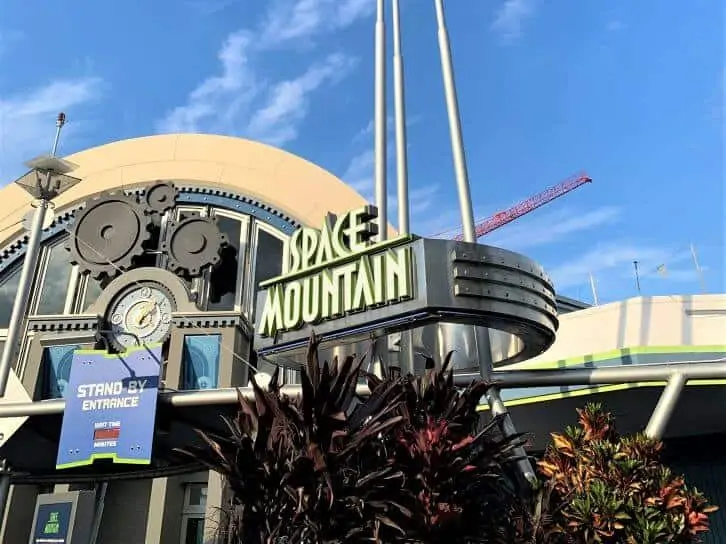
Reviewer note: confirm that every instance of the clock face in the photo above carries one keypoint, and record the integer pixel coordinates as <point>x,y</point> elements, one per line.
<point>141,315</point>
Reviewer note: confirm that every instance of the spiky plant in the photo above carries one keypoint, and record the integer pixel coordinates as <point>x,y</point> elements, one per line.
<point>454,467</point>
<point>613,489</point>
<point>409,463</point>
<point>295,467</point>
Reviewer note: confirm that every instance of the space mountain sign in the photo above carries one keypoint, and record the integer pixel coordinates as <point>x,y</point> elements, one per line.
<point>335,271</point>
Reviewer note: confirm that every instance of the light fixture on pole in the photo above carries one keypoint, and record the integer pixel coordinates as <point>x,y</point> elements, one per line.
<point>48,177</point>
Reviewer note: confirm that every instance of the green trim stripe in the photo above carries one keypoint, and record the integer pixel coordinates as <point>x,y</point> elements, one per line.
<point>115,458</point>
<point>654,355</point>
<point>593,390</point>
<point>619,354</point>
<point>107,355</point>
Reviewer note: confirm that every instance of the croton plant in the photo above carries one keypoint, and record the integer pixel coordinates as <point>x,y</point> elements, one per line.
<point>614,489</point>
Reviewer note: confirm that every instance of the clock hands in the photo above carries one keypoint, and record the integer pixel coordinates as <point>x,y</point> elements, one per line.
<point>145,312</point>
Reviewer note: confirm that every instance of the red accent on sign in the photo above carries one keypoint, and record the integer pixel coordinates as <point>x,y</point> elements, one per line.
<point>107,434</point>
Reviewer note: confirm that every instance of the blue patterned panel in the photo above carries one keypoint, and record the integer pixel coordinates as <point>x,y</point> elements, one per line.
<point>57,370</point>
<point>200,363</point>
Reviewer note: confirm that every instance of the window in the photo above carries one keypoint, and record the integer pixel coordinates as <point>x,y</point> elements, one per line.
<point>200,363</point>
<point>93,291</point>
<point>268,260</point>
<point>195,505</point>
<point>8,290</point>
<point>57,275</point>
<point>226,280</point>
<point>57,361</point>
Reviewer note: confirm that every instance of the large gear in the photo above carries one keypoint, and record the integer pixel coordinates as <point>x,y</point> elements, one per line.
<point>192,244</point>
<point>161,197</point>
<point>108,234</point>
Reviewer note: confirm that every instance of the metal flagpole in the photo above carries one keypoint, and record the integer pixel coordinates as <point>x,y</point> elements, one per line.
<point>400,113</point>
<point>494,399</point>
<point>594,291</point>
<point>379,122</point>
<point>637,276</point>
<point>699,270</point>
<point>46,180</point>
<point>457,143</point>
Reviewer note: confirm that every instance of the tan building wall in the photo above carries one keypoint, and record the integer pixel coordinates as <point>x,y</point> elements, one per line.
<point>296,187</point>
<point>642,322</point>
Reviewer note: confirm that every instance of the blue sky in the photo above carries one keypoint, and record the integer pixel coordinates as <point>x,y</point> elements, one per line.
<point>631,92</point>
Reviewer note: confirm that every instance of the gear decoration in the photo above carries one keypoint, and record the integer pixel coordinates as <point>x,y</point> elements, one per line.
<point>108,234</point>
<point>161,197</point>
<point>192,244</point>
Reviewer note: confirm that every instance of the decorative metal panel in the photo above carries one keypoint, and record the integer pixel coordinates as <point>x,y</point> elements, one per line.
<point>200,364</point>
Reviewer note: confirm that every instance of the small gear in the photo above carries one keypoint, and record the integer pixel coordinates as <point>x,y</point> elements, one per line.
<point>161,197</point>
<point>192,244</point>
<point>108,234</point>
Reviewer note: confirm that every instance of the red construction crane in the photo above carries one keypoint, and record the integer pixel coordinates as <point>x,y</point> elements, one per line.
<point>500,219</point>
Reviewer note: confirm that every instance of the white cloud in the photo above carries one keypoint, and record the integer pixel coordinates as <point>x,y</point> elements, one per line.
<point>27,120</point>
<point>510,17</point>
<point>292,20</point>
<point>549,228</point>
<point>218,99</point>
<point>239,100</point>
<point>287,102</point>
<point>614,261</point>
<point>359,174</point>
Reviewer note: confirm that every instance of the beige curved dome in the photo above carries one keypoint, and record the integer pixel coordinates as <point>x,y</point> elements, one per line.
<point>296,187</point>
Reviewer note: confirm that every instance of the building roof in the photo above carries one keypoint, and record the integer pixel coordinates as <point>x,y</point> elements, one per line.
<point>294,186</point>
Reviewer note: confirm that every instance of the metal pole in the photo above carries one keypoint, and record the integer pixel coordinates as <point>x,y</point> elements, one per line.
<point>496,405</point>
<point>457,143</point>
<point>699,270</point>
<point>594,290</point>
<point>4,490</point>
<point>637,276</point>
<point>693,370</point>
<point>666,405</point>
<point>20,305</point>
<point>400,113</point>
<point>380,124</point>
<point>98,513</point>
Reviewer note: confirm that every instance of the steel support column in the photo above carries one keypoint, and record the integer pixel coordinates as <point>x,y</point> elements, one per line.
<point>666,405</point>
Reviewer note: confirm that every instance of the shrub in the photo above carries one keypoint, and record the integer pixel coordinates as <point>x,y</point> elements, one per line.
<point>409,463</point>
<point>614,489</point>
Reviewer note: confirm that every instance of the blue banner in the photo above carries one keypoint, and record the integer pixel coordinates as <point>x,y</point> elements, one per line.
<point>110,408</point>
<point>52,523</point>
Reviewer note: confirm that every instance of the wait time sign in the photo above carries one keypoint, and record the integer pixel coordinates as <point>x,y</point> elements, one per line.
<point>110,408</point>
